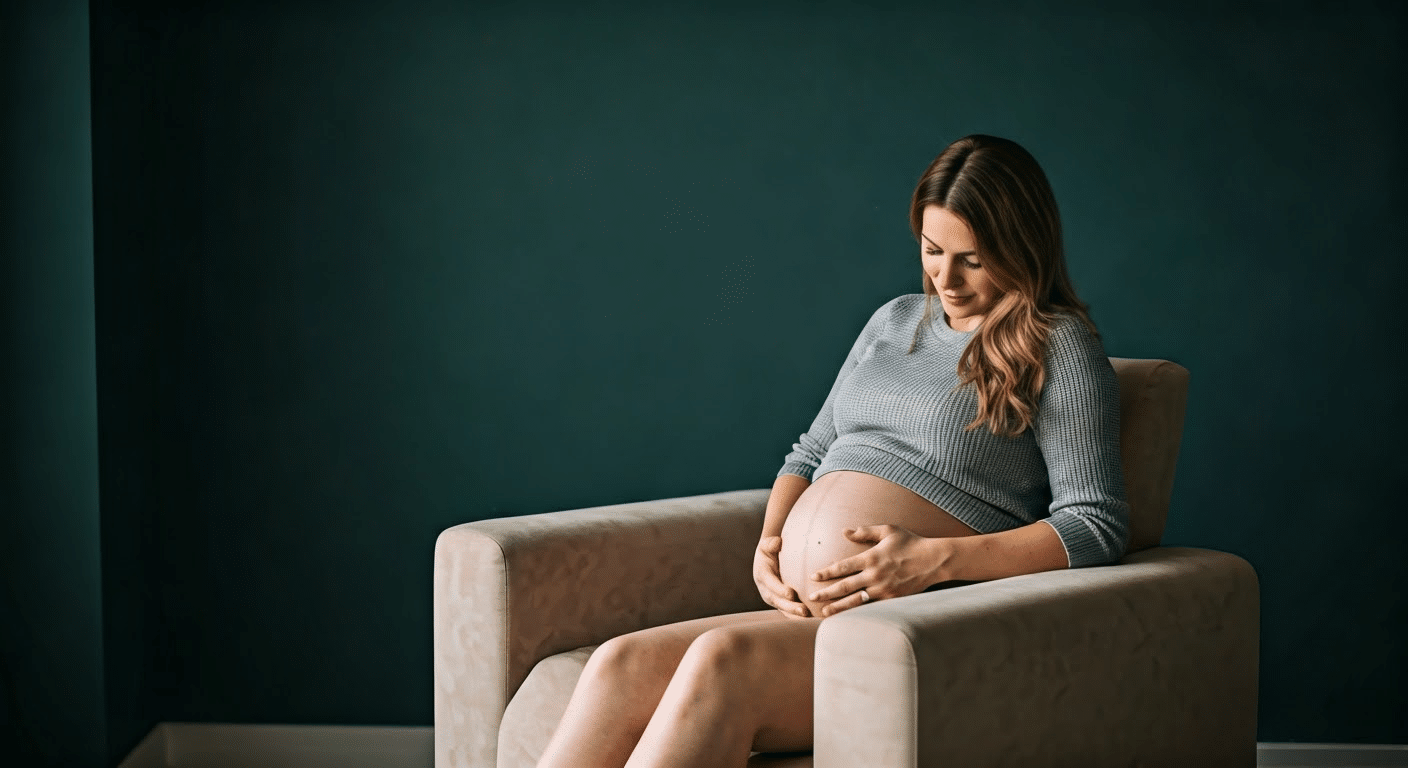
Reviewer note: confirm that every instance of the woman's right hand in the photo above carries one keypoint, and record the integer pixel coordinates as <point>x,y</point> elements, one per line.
<point>770,586</point>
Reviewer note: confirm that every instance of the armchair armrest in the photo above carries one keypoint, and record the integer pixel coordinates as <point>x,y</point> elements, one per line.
<point>1159,650</point>
<point>512,591</point>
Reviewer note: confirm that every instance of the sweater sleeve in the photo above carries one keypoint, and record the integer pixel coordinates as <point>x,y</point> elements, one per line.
<point>1078,432</point>
<point>809,450</point>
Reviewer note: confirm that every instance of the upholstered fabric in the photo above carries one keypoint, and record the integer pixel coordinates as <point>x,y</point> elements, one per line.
<point>1153,395</point>
<point>1152,661</point>
<point>534,712</point>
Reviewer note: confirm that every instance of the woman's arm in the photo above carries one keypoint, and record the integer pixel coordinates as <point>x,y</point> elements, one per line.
<point>1077,429</point>
<point>1030,549</point>
<point>786,489</point>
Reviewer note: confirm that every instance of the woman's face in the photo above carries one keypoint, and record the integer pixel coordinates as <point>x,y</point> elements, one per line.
<point>952,262</point>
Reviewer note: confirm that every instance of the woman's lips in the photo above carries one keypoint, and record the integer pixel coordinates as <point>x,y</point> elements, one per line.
<point>958,300</point>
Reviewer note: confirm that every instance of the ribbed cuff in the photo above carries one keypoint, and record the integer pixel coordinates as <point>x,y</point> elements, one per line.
<point>797,468</point>
<point>1082,541</point>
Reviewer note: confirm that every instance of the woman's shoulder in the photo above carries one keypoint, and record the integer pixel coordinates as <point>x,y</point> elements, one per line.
<point>1076,364</point>
<point>904,305</point>
<point>1070,337</point>
<point>897,309</point>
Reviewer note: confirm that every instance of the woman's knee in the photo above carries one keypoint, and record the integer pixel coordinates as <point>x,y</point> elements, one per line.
<point>631,660</point>
<point>721,657</point>
<point>618,657</point>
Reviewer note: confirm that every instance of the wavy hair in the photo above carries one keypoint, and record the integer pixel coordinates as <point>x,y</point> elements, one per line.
<point>997,188</point>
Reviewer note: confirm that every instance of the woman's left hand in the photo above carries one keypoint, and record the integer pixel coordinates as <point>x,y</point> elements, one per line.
<point>901,563</point>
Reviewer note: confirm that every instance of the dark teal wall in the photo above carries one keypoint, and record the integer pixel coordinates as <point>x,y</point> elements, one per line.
<point>51,612</point>
<point>136,273</point>
<point>369,270</point>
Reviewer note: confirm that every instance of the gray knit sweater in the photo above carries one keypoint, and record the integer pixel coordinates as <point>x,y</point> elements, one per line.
<point>897,416</point>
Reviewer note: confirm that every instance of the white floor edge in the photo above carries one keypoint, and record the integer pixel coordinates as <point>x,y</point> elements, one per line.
<point>228,745</point>
<point>1290,755</point>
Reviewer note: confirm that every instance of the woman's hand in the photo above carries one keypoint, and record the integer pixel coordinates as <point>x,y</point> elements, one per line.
<point>901,563</point>
<point>770,586</point>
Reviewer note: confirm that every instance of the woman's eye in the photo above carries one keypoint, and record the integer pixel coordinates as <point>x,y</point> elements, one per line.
<point>966,263</point>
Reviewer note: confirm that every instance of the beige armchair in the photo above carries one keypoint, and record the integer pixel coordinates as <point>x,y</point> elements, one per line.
<point>1151,661</point>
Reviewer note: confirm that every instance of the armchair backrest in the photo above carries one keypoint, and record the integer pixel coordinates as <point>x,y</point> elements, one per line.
<point>1153,397</point>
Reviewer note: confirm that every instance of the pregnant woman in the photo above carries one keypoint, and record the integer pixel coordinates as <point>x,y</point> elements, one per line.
<point>972,434</point>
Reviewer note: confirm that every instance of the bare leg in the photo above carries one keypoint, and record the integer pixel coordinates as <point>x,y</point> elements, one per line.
<point>621,686</point>
<point>738,688</point>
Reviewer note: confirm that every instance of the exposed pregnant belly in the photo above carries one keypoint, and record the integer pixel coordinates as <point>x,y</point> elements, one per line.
<point>812,536</point>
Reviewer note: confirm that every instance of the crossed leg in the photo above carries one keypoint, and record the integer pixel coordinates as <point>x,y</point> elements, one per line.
<point>696,693</point>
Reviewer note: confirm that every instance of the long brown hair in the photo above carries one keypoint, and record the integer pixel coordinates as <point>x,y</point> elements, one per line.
<point>996,187</point>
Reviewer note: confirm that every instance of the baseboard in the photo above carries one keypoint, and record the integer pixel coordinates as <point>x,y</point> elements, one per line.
<point>1283,755</point>
<point>222,745</point>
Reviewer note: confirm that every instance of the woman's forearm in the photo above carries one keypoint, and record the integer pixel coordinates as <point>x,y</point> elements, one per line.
<point>786,489</point>
<point>1030,549</point>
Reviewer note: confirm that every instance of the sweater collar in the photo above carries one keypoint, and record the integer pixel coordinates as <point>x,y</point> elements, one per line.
<point>940,323</point>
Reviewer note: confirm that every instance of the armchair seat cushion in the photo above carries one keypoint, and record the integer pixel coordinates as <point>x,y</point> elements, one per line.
<point>533,713</point>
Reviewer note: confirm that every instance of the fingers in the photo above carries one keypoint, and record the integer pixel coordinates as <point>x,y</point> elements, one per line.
<point>769,581</point>
<point>843,589</point>
<point>768,578</point>
<point>872,534</point>
<point>846,603</point>
<point>790,608</point>
<point>836,570</point>
<point>787,606</point>
<point>869,534</point>
<point>773,583</point>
